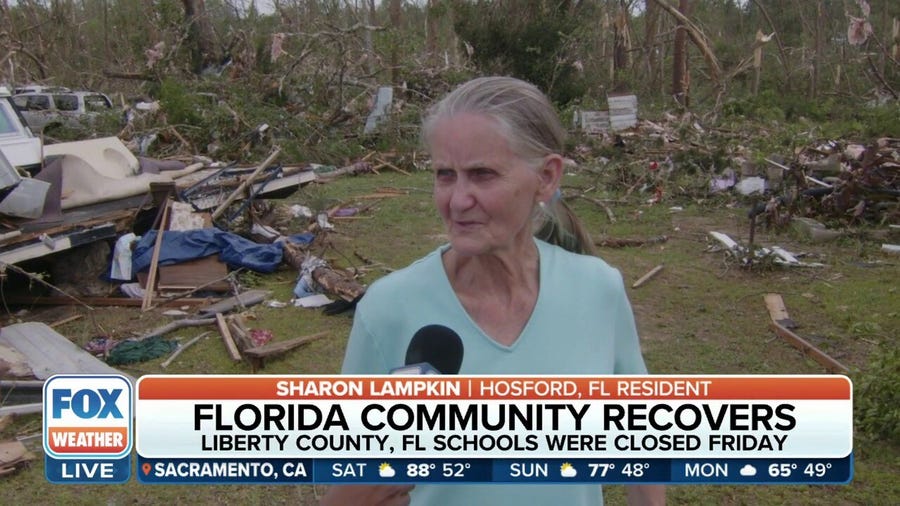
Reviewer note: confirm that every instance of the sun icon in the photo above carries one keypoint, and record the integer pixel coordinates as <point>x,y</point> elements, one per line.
<point>566,470</point>
<point>386,471</point>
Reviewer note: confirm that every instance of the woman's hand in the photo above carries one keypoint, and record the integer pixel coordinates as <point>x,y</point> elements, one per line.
<point>367,495</point>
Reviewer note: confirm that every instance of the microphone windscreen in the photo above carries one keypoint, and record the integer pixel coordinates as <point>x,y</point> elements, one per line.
<point>437,345</point>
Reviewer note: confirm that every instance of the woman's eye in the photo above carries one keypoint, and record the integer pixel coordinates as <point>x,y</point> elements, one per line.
<point>481,174</point>
<point>444,174</point>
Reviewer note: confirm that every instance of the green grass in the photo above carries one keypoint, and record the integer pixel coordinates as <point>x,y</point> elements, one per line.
<point>702,314</point>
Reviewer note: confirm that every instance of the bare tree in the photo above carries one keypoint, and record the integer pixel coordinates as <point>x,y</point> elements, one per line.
<point>201,37</point>
<point>680,71</point>
<point>651,47</point>
<point>396,13</point>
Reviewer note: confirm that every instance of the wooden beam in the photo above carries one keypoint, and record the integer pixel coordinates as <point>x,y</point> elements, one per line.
<point>154,260</point>
<point>777,311</point>
<point>830,364</point>
<point>258,354</point>
<point>226,337</point>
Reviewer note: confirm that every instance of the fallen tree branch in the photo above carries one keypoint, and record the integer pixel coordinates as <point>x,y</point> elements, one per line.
<point>34,277</point>
<point>169,327</point>
<point>182,348</point>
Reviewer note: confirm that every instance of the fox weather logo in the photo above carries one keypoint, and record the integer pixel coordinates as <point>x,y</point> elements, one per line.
<point>87,428</point>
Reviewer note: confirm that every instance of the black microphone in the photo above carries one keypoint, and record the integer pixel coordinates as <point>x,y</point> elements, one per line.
<point>434,349</point>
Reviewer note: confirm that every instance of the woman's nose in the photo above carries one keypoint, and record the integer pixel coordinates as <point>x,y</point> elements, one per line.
<point>461,197</point>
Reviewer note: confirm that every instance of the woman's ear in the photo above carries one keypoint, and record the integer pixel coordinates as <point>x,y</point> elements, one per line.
<point>549,175</point>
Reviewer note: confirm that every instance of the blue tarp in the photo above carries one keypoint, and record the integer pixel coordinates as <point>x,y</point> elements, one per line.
<point>233,249</point>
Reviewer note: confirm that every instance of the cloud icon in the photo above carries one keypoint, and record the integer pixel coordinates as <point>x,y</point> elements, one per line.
<point>386,471</point>
<point>567,471</point>
<point>748,470</point>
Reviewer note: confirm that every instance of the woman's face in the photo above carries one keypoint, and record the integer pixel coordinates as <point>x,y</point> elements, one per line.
<point>484,192</point>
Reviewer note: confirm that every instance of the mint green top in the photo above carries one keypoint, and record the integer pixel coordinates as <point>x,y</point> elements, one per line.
<point>582,323</point>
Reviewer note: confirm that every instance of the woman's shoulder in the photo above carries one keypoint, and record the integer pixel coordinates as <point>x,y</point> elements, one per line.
<point>567,263</point>
<point>422,272</point>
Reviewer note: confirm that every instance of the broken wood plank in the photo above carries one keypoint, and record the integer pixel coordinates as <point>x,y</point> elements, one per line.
<point>778,312</point>
<point>830,364</point>
<point>258,354</point>
<point>226,337</point>
<point>154,260</point>
<point>646,277</point>
<point>240,333</point>
<point>64,321</point>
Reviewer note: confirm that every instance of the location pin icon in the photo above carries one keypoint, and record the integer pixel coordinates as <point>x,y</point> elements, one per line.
<point>146,468</point>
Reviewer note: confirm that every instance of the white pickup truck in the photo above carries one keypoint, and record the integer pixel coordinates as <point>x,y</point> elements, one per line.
<point>17,143</point>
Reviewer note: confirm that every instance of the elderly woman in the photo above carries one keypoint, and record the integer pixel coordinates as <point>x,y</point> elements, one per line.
<point>520,303</point>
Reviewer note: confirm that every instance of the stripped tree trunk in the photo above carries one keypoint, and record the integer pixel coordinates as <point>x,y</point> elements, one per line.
<point>369,17</point>
<point>650,46</point>
<point>200,35</point>
<point>431,25</point>
<point>680,75</point>
<point>396,13</point>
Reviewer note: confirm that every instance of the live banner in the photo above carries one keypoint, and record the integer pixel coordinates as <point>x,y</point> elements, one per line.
<point>493,429</point>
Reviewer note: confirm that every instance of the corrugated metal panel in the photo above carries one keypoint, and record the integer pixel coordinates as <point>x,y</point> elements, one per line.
<point>622,101</point>
<point>49,352</point>
<point>622,122</point>
<point>594,121</point>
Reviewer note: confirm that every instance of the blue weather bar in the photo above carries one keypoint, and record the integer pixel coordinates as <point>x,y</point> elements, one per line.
<point>811,471</point>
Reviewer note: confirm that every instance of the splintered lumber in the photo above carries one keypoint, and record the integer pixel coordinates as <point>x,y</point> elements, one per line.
<point>258,354</point>
<point>646,277</point>
<point>226,337</point>
<point>239,332</point>
<point>777,311</point>
<point>154,260</point>
<point>247,182</point>
<point>64,321</point>
<point>13,455</point>
<point>830,364</point>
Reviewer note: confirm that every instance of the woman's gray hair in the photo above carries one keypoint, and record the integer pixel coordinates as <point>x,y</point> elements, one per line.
<point>528,120</point>
<point>530,124</point>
